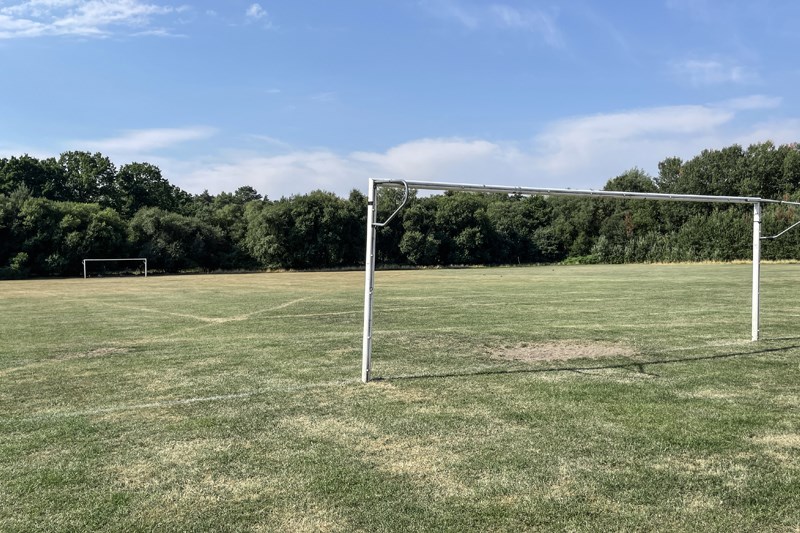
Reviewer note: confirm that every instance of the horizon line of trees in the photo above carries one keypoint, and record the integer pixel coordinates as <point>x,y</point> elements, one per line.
<point>55,212</point>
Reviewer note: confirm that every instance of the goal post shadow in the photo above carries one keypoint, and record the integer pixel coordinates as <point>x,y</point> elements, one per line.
<point>638,367</point>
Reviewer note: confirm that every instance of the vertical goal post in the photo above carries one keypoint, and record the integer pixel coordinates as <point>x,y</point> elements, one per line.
<point>373,225</point>
<point>143,259</point>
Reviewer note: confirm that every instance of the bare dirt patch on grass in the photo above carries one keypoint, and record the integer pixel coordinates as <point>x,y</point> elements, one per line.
<point>782,440</point>
<point>782,447</point>
<point>561,351</point>
<point>427,461</point>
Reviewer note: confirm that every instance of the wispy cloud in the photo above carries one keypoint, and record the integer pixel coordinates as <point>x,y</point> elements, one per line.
<point>271,141</point>
<point>276,176</point>
<point>535,21</point>
<point>642,137</point>
<point>92,18</point>
<point>752,102</point>
<point>700,9</point>
<point>712,72</point>
<point>452,11</point>
<point>149,140</point>
<point>503,17</point>
<point>324,97</point>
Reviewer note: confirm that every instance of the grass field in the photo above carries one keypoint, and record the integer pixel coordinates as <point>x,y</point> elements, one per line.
<point>580,398</point>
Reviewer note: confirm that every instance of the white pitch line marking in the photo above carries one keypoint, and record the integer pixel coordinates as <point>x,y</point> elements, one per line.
<point>188,401</point>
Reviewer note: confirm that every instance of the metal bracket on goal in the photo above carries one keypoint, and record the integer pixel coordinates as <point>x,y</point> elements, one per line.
<point>787,230</point>
<point>400,207</point>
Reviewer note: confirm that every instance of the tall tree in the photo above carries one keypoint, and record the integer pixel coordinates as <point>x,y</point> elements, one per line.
<point>175,242</point>
<point>139,185</point>
<point>88,177</point>
<point>43,178</point>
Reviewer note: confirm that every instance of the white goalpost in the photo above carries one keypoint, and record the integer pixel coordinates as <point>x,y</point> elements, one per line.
<point>144,259</point>
<point>373,225</point>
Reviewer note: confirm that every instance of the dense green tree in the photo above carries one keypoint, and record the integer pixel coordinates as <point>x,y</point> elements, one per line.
<point>633,180</point>
<point>54,237</point>
<point>43,178</point>
<point>245,194</point>
<point>305,231</point>
<point>175,242</point>
<point>420,241</point>
<point>354,228</point>
<point>516,220</point>
<point>464,229</point>
<point>790,182</point>
<point>139,185</point>
<point>11,238</point>
<point>450,229</point>
<point>765,171</point>
<point>88,177</point>
<point>227,213</point>
<point>669,172</point>
<point>54,212</point>
<point>622,220</point>
<point>718,172</point>
<point>575,225</point>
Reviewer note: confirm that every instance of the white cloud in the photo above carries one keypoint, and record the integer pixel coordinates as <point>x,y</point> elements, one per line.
<point>595,148</point>
<point>272,141</point>
<point>578,152</point>
<point>528,20</point>
<point>9,150</point>
<point>275,176</point>
<point>324,97</point>
<point>753,102</point>
<point>137,142</point>
<point>570,145</point>
<point>452,10</point>
<point>498,16</point>
<point>255,12</point>
<point>428,158</point>
<point>699,72</point>
<point>86,18</point>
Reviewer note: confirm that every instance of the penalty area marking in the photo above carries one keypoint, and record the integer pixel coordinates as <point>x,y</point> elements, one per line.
<point>209,320</point>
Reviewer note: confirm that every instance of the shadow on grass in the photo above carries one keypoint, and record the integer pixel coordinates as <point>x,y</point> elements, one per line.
<point>636,366</point>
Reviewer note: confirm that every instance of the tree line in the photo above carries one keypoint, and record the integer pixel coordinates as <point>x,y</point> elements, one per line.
<point>56,211</point>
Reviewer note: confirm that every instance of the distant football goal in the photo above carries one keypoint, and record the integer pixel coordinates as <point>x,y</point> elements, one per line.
<point>138,259</point>
<point>373,225</point>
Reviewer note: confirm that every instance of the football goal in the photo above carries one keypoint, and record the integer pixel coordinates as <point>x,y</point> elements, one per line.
<point>141,259</point>
<point>373,224</point>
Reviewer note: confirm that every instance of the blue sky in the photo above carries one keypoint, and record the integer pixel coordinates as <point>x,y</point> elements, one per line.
<point>291,96</point>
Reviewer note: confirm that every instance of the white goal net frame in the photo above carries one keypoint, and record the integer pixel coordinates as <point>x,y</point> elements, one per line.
<point>144,259</point>
<point>373,225</point>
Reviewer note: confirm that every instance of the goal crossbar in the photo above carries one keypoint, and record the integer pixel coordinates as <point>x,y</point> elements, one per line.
<point>373,225</point>
<point>144,259</point>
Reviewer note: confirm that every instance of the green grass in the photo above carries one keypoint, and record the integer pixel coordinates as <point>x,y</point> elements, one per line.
<point>233,402</point>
